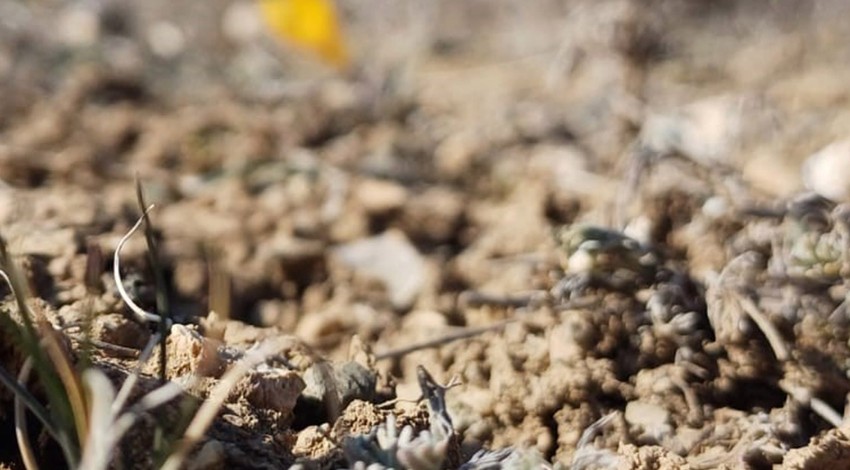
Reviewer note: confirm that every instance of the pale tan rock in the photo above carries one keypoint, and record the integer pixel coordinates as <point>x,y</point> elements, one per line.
<point>390,258</point>
<point>191,353</point>
<point>632,457</point>
<point>166,39</point>
<point>313,442</point>
<point>570,340</point>
<point>456,153</point>
<point>190,277</point>
<point>434,216</point>
<point>652,419</point>
<point>827,172</point>
<point>117,329</point>
<point>317,327</point>
<point>270,389</point>
<point>51,243</point>
<point>380,196</point>
<point>830,450</point>
<point>241,22</point>
<point>79,26</point>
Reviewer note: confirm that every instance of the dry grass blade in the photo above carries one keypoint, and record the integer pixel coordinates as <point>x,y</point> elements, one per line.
<point>38,410</point>
<point>159,396</point>
<point>21,433</point>
<point>64,366</point>
<point>59,422</point>
<point>161,288</point>
<point>18,287</point>
<point>116,350</point>
<point>209,409</point>
<point>161,298</point>
<point>107,426</point>
<point>102,438</point>
<point>22,396</point>
<point>219,285</point>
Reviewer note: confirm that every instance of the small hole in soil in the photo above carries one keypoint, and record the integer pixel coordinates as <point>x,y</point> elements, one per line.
<point>552,424</point>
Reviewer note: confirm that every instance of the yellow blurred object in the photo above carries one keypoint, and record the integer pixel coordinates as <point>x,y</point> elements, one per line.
<point>309,24</point>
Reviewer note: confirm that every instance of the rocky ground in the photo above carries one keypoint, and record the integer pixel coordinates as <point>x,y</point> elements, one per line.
<point>585,219</point>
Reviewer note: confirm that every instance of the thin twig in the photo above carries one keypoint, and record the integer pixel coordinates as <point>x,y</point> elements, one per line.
<point>120,351</point>
<point>448,338</point>
<point>471,298</point>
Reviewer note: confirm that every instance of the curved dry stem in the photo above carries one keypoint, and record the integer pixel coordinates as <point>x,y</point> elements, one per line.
<point>802,395</point>
<point>141,314</point>
<point>774,338</point>
<point>9,283</point>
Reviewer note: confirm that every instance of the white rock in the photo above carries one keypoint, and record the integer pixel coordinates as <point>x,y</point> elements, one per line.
<point>653,419</point>
<point>165,39</point>
<point>380,196</point>
<point>716,207</point>
<point>390,258</point>
<point>708,131</point>
<point>640,228</point>
<point>269,389</point>
<point>79,26</point>
<point>241,22</point>
<point>827,172</point>
<point>37,241</point>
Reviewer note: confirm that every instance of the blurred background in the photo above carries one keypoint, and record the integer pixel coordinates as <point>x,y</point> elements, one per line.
<point>280,128</point>
<point>760,84</point>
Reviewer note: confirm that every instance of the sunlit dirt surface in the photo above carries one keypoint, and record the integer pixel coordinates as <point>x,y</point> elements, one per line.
<point>598,204</point>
